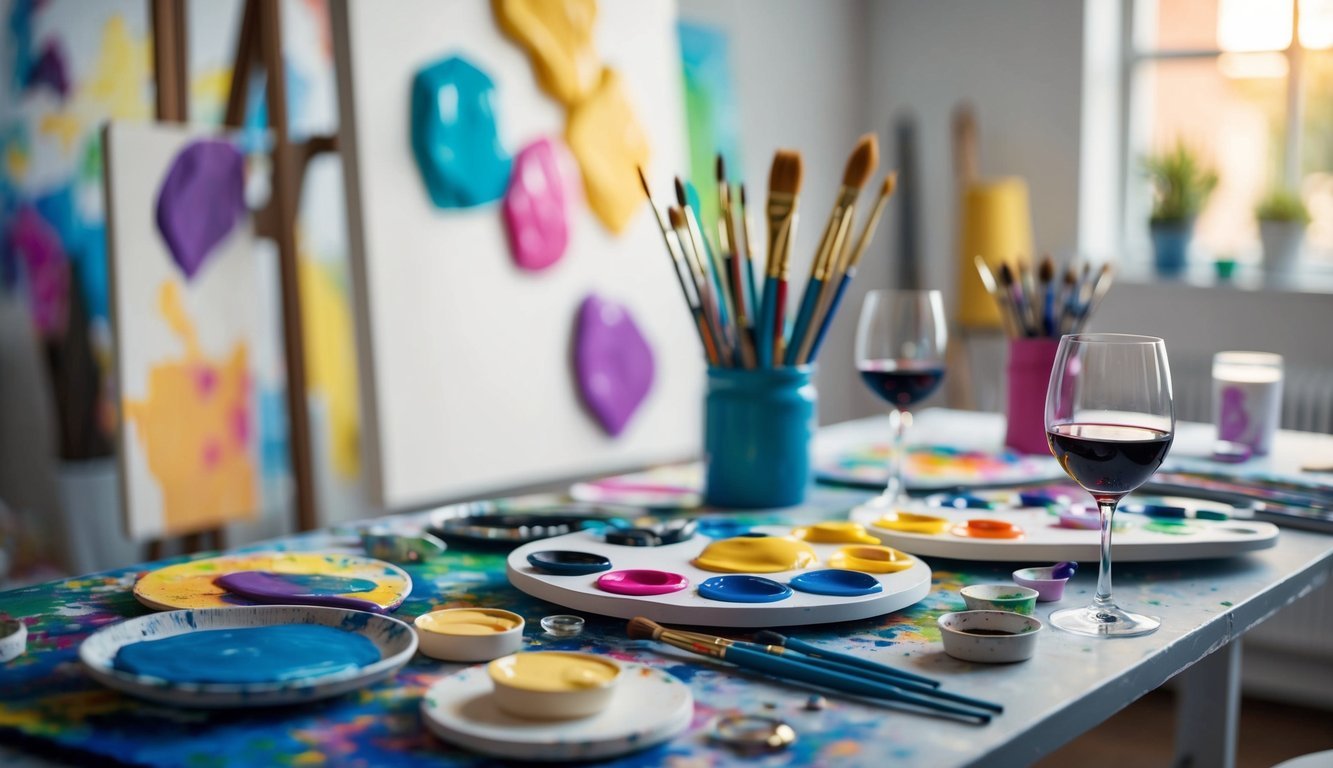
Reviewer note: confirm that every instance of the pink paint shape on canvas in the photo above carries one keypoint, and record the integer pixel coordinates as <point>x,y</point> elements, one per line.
<point>46,270</point>
<point>535,210</point>
<point>613,363</point>
<point>201,200</point>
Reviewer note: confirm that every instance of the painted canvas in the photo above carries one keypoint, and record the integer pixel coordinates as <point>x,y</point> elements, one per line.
<point>188,326</point>
<point>710,110</point>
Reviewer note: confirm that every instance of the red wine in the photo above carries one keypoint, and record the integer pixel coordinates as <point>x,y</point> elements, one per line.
<point>902,382</point>
<point>1108,460</point>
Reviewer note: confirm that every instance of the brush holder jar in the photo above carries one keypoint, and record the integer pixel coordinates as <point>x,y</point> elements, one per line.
<point>758,425</point>
<point>1027,377</point>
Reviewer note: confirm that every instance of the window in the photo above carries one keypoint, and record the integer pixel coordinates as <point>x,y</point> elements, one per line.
<point>1249,85</point>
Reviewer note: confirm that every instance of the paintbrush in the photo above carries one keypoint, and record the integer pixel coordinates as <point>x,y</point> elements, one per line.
<point>1046,279</point>
<point>707,304</point>
<point>683,275</point>
<point>707,255</point>
<point>790,670</point>
<point>1099,288</point>
<point>1068,294</point>
<point>773,638</point>
<point>846,268</point>
<point>860,164</point>
<point>751,287</point>
<point>1013,300</point>
<point>847,669</point>
<point>784,188</point>
<point>726,232</point>
<point>1001,303</point>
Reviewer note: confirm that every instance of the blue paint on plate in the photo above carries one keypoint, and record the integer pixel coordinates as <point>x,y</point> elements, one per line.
<point>565,562</point>
<point>249,655</point>
<point>743,588</point>
<point>837,583</point>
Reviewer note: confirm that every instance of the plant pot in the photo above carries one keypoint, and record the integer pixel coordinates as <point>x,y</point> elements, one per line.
<point>1281,242</point>
<point>1171,245</point>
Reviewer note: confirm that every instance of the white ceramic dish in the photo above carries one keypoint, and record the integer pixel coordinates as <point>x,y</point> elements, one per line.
<point>1049,589</point>
<point>1017,644</point>
<point>587,694</point>
<point>395,640</point>
<point>461,710</point>
<point>439,643</point>
<point>999,597</point>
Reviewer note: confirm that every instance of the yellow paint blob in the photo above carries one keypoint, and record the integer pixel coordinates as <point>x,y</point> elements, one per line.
<point>835,532</point>
<point>330,353</point>
<point>479,622</point>
<point>66,129</point>
<point>121,79</point>
<point>609,143</point>
<point>558,38</point>
<point>553,671</point>
<point>909,522</point>
<point>749,554</point>
<point>193,426</point>
<point>869,559</point>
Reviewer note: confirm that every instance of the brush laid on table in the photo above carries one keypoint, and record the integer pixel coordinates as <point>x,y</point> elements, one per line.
<point>1037,305</point>
<point>797,669</point>
<point>861,163</point>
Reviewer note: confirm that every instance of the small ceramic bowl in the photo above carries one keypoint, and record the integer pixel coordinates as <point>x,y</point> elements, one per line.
<point>1049,589</point>
<point>469,634</point>
<point>989,637</point>
<point>1000,597</point>
<point>553,685</point>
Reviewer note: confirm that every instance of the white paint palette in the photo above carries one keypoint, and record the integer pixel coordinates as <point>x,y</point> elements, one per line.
<point>686,606</point>
<point>1137,537</point>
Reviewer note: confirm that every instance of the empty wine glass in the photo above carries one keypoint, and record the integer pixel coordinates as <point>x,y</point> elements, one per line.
<point>1109,422</point>
<point>900,344</point>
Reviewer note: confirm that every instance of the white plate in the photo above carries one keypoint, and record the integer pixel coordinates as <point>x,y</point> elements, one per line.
<point>395,640</point>
<point>580,593</point>
<point>649,706</point>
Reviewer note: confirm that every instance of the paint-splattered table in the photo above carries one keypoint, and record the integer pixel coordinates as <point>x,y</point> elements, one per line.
<point>50,707</point>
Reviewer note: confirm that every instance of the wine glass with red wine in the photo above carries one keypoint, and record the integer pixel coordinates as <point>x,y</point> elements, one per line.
<point>1109,422</point>
<point>900,353</point>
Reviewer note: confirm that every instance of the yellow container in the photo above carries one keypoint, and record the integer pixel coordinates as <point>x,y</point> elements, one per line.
<point>996,225</point>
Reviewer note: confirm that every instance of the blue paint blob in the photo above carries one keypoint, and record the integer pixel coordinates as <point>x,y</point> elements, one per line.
<point>837,583</point>
<point>454,136</point>
<point>299,589</point>
<point>743,588</point>
<point>249,655</point>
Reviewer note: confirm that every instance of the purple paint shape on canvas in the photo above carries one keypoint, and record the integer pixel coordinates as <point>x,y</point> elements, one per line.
<point>300,589</point>
<point>45,268</point>
<point>201,200</point>
<point>535,213</point>
<point>613,363</point>
<point>51,70</point>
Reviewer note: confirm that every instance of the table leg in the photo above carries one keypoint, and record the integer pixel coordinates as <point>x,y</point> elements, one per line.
<point>1208,710</point>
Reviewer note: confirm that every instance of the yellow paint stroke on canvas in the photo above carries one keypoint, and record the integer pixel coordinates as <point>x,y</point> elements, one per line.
<point>121,75</point>
<point>609,143</point>
<point>330,363</point>
<point>208,94</point>
<point>194,429</point>
<point>65,127</point>
<point>558,37</point>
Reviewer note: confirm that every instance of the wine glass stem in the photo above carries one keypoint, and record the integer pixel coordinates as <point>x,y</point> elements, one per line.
<point>899,420</point>
<point>1103,598</point>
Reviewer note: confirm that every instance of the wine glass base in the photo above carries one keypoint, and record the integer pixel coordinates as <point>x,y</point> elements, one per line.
<point>1104,621</point>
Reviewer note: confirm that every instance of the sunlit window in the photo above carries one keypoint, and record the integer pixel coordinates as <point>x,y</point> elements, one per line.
<point>1248,84</point>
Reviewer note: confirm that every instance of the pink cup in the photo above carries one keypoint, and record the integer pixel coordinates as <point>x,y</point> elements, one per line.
<point>1027,376</point>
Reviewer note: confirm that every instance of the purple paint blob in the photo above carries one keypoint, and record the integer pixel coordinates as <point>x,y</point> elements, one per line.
<point>201,200</point>
<point>535,213</point>
<point>612,363</point>
<point>249,655</point>
<point>50,70</point>
<point>1234,419</point>
<point>45,268</point>
<point>300,589</point>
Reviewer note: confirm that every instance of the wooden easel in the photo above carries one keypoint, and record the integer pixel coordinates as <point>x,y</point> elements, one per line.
<point>258,50</point>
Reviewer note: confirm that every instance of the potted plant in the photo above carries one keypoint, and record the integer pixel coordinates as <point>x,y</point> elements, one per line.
<point>1181,185</point>
<point>1282,218</point>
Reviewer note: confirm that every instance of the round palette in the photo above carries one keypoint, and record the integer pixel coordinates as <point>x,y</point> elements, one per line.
<point>1035,534</point>
<point>302,578</point>
<point>932,467</point>
<point>460,710</point>
<point>833,599</point>
<point>394,641</point>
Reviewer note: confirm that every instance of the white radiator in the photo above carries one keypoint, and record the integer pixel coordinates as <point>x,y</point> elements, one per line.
<point>1307,394</point>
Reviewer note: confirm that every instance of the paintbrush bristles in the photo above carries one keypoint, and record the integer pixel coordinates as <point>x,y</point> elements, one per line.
<point>784,177</point>
<point>862,162</point>
<point>1046,272</point>
<point>644,629</point>
<point>721,168</point>
<point>644,181</point>
<point>681,198</point>
<point>676,216</point>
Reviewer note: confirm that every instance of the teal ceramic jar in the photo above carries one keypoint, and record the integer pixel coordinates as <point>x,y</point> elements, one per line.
<point>758,427</point>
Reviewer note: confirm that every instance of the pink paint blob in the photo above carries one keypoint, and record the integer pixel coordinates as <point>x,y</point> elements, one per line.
<point>212,454</point>
<point>535,211</point>
<point>240,425</point>
<point>45,268</point>
<point>205,381</point>
<point>641,582</point>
